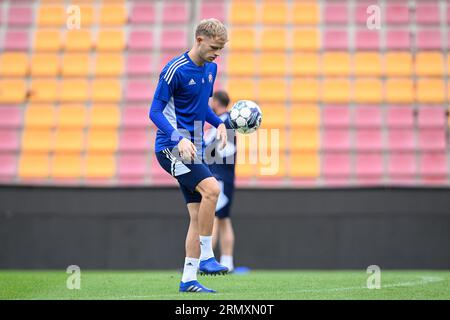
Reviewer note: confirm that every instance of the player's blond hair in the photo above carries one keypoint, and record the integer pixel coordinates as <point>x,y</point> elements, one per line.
<point>212,28</point>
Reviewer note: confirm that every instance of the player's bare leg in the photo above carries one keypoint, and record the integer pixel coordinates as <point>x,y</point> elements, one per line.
<point>192,240</point>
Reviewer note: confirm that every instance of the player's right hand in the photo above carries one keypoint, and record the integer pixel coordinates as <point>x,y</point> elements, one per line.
<point>187,149</point>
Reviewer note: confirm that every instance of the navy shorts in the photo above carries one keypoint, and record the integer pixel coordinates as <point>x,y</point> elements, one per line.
<point>223,208</point>
<point>188,174</point>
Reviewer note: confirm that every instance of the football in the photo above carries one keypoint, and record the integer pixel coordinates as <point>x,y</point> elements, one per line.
<point>245,116</point>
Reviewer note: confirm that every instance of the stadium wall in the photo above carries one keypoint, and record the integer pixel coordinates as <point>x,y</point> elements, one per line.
<point>144,228</point>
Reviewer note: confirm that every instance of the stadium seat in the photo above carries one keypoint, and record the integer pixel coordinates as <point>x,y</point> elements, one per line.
<point>139,90</point>
<point>304,116</point>
<point>336,117</point>
<point>76,65</point>
<point>431,91</point>
<point>45,65</point>
<point>16,40</point>
<point>242,39</point>
<point>47,40</point>
<point>106,116</point>
<point>304,90</point>
<point>44,90</point>
<point>113,15</point>
<point>305,13</point>
<point>99,166</point>
<point>335,40</point>
<point>143,13</point>
<point>173,39</point>
<point>135,117</point>
<point>304,165</point>
<point>335,140</point>
<point>13,64</point>
<point>275,116</point>
<point>110,40</point>
<point>242,64</point>
<point>134,140</point>
<point>19,16</point>
<point>109,65</point>
<point>78,40</point>
<point>432,166</point>
<point>241,88</point>
<point>305,64</point>
<point>398,40</point>
<point>367,40</point>
<point>306,40</point>
<point>400,117</point>
<point>8,166</point>
<point>271,64</point>
<point>368,91</point>
<point>398,64</point>
<point>74,90</point>
<point>368,117</point>
<point>140,40</point>
<point>401,140</point>
<point>66,166</point>
<point>335,64</point>
<point>272,90</point>
<point>335,13</point>
<point>336,165</point>
<point>274,13</point>
<point>69,141</point>
<point>336,90</point>
<point>429,39</point>
<point>106,90</point>
<point>213,9</point>
<point>51,16</point>
<point>368,140</point>
<point>304,139</point>
<point>12,91</point>
<point>402,165</point>
<point>132,166</point>
<point>37,140</point>
<point>102,140</point>
<point>367,64</point>
<point>72,116</point>
<point>431,117</point>
<point>175,12</point>
<point>243,13</point>
<point>273,39</point>
<point>88,16</point>
<point>397,13</point>
<point>432,140</point>
<point>139,65</point>
<point>428,13</point>
<point>33,165</point>
<point>399,90</point>
<point>39,116</point>
<point>9,141</point>
<point>369,166</point>
<point>10,117</point>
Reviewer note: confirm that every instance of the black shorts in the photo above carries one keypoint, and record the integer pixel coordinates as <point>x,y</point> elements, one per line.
<point>188,174</point>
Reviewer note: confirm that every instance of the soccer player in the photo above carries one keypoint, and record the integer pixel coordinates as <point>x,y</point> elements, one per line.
<point>179,110</point>
<point>223,169</point>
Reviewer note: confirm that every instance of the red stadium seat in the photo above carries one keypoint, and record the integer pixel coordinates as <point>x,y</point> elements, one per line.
<point>10,117</point>
<point>213,9</point>
<point>433,167</point>
<point>429,39</point>
<point>135,116</point>
<point>139,64</point>
<point>132,166</point>
<point>402,165</point>
<point>20,16</point>
<point>369,165</point>
<point>361,15</point>
<point>432,140</point>
<point>142,13</point>
<point>336,165</point>
<point>428,13</point>
<point>400,117</point>
<point>368,140</point>
<point>335,13</point>
<point>16,41</point>
<point>336,117</point>
<point>9,140</point>
<point>401,140</point>
<point>397,13</point>
<point>141,40</point>
<point>139,90</point>
<point>398,40</point>
<point>432,117</point>
<point>335,40</point>
<point>175,12</point>
<point>367,40</point>
<point>134,140</point>
<point>336,140</point>
<point>8,167</point>
<point>173,39</point>
<point>368,117</point>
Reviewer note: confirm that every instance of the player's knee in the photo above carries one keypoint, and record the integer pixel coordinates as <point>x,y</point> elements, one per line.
<point>212,192</point>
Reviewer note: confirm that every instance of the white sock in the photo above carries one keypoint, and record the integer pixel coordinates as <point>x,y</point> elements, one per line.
<point>190,269</point>
<point>227,261</point>
<point>206,250</point>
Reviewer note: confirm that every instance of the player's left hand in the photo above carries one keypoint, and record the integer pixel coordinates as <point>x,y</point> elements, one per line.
<point>222,135</point>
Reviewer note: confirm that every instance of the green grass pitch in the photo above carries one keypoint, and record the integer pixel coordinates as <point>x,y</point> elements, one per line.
<point>258,285</point>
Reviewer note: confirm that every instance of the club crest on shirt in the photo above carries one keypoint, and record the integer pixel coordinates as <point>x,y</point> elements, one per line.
<point>210,77</point>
